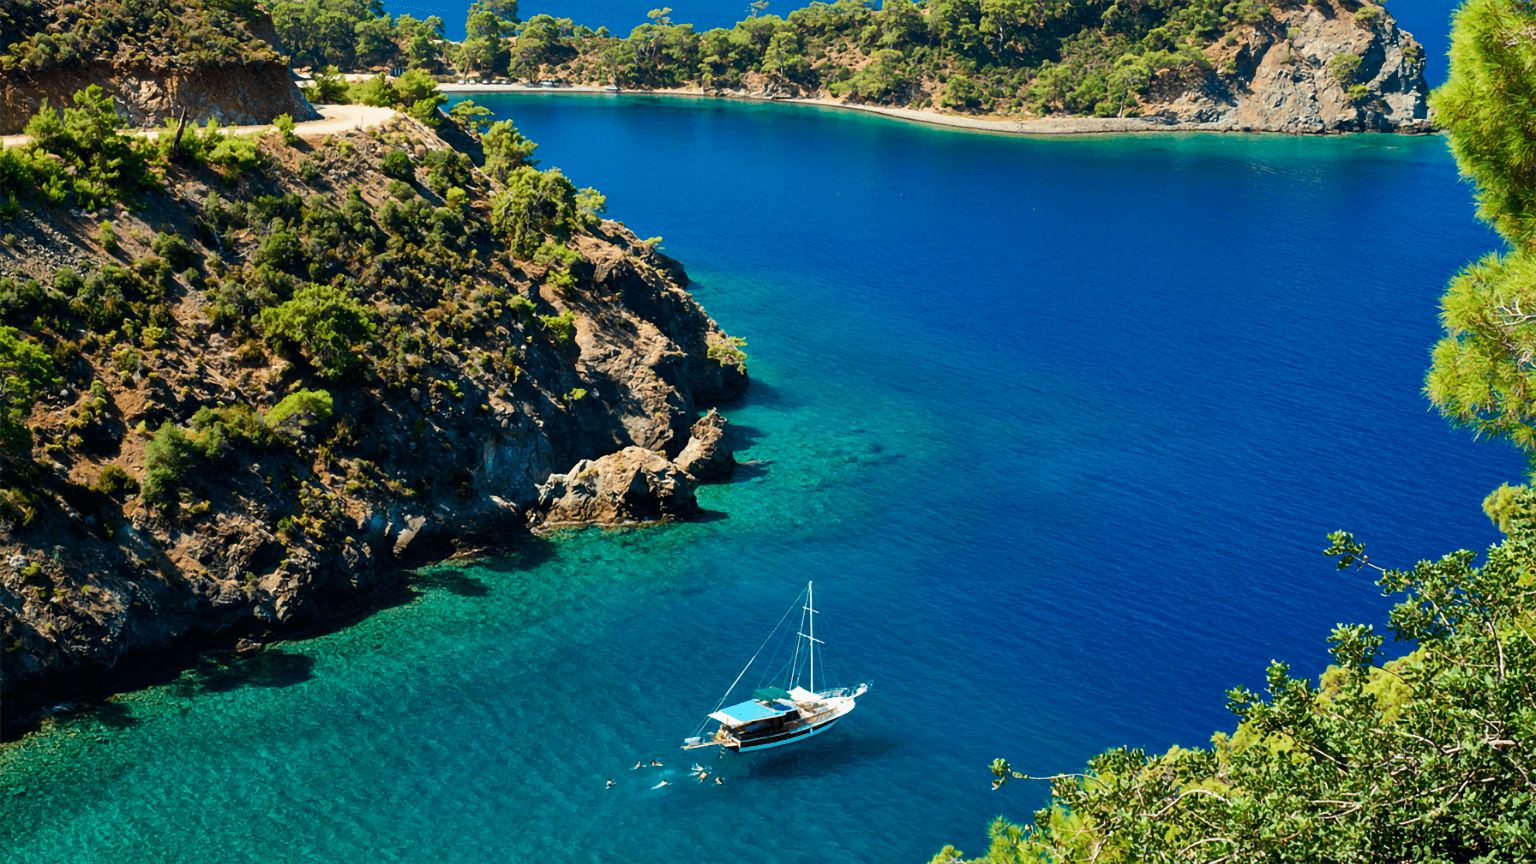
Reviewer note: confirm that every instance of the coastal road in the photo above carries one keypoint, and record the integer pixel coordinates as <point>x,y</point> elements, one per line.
<point>333,119</point>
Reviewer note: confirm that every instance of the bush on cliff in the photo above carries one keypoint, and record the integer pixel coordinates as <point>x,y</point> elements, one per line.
<point>299,412</point>
<point>534,205</point>
<point>79,151</point>
<point>25,371</point>
<point>326,325</point>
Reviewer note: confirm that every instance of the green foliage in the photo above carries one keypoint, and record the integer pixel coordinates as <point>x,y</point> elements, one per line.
<point>167,457</point>
<point>471,116</point>
<point>535,205</point>
<point>107,237</point>
<point>563,326</point>
<point>330,88</point>
<point>1481,375</point>
<point>114,482</point>
<point>507,151</point>
<point>397,165</point>
<point>447,169</point>
<point>174,250</point>
<point>726,350</point>
<point>325,324</point>
<point>94,161</point>
<point>1344,68</point>
<point>1421,758</point>
<point>591,205</point>
<point>25,371</point>
<point>300,412</point>
<point>200,32</point>
<point>376,91</point>
<point>284,125</point>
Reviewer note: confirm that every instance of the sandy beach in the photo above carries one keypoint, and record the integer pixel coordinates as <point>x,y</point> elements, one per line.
<point>1044,126</point>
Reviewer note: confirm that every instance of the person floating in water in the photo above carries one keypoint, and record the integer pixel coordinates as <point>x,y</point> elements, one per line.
<point>702,775</point>
<point>637,765</point>
<point>655,764</point>
<point>610,782</point>
<point>718,781</point>
<point>697,768</point>
<point>661,784</point>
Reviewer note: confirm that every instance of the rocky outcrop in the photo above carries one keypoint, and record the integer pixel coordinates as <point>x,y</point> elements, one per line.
<point>149,89</point>
<point>636,484</point>
<point>633,485</point>
<point>708,455</point>
<point>1310,68</point>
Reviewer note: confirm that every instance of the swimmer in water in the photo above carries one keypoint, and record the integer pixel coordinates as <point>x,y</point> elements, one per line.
<point>637,765</point>
<point>610,783</point>
<point>702,775</point>
<point>655,764</point>
<point>661,784</point>
<point>719,782</point>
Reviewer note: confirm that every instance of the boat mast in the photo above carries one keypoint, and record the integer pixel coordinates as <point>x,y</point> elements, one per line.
<point>810,607</point>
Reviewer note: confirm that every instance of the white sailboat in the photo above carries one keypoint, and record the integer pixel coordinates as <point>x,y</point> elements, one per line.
<point>780,715</point>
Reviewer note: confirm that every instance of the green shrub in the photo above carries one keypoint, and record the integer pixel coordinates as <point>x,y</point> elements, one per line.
<point>113,482</point>
<point>1344,68</point>
<point>26,371</point>
<point>375,91</point>
<point>166,460</point>
<point>506,151</point>
<point>534,205</point>
<point>563,326</point>
<point>107,238</point>
<point>330,88</point>
<point>284,125</point>
<point>299,412</point>
<point>173,249</point>
<point>96,161</point>
<point>397,165</point>
<point>325,324</point>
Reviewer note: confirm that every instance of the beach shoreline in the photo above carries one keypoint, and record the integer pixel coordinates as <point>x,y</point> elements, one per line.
<point>1048,127</point>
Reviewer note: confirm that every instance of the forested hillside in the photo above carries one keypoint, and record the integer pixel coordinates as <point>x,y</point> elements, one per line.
<point>246,377</point>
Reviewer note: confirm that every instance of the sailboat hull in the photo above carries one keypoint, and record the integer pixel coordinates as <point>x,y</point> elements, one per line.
<point>794,737</point>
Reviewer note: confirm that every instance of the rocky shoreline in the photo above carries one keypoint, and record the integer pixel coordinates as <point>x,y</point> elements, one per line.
<point>503,391</point>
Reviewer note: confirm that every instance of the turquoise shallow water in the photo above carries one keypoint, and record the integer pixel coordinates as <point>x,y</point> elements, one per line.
<point>1058,428</point>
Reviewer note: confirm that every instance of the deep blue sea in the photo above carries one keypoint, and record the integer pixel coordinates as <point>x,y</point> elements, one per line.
<point>1427,20</point>
<point>1058,427</point>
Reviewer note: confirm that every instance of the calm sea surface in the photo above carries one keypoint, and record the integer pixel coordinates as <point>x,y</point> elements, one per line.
<point>1058,428</point>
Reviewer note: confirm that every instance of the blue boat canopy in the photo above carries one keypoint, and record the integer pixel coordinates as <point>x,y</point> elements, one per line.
<point>746,712</point>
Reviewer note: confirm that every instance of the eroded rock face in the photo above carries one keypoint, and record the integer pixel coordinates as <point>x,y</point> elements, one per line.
<point>1290,75</point>
<point>148,92</point>
<point>708,455</point>
<point>633,485</point>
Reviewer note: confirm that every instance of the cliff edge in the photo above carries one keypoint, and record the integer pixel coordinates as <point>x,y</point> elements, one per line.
<point>1308,68</point>
<point>279,371</point>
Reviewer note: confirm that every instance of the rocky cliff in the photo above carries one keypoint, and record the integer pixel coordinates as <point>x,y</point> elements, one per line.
<point>155,60</point>
<point>1311,68</point>
<point>280,379</point>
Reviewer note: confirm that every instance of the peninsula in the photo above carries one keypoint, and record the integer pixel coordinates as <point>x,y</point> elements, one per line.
<point>1291,66</point>
<point>249,378</point>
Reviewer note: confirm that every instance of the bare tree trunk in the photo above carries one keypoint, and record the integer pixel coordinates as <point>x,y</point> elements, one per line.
<point>181,126</point>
